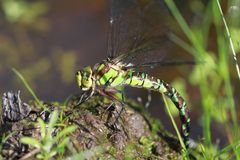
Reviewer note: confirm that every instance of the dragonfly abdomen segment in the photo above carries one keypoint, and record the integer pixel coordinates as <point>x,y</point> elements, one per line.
<point>142,80</point>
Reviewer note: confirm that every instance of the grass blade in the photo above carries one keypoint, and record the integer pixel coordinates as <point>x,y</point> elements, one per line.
<point>228,148</point>
<point>27,86</point>
<point>230,39</point>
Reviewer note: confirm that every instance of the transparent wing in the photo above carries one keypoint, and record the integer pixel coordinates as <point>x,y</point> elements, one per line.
<point>138,30</point>
<point>164,63</point>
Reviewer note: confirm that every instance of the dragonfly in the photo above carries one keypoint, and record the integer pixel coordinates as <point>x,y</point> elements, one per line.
<point>136,37</point>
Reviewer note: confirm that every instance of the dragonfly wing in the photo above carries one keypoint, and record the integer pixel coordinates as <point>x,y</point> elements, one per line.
<point>165,63</point>
<point>137,28</point>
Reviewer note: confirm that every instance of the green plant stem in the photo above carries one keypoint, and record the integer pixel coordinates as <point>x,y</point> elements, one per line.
<point>230,39</point>
<point>184,26</point>
<point>27,86</point>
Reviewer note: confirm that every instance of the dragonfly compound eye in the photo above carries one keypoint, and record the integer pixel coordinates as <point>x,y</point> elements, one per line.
<point>87,81</point>
<point>79,78</point>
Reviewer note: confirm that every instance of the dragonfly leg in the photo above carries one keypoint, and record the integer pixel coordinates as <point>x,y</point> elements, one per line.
<point>109,106</point>
<point>119,113</point>
<point>149,99</point>
<point>85,96</point>
<point>80,101</point>
<point>116,96</point>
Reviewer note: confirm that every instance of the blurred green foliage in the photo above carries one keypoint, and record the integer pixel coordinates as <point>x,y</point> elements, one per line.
<point>24,25</point>
<point>65,62</point>
<point>23,11</point>
<point>206,40</point>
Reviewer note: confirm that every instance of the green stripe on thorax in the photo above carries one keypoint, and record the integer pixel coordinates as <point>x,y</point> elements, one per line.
<point>106,76</point>
<point>110,73</point>
<point>118,80</point>
<point>100,67</point>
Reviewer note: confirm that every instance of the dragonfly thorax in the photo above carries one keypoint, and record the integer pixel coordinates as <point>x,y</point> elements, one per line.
<point>84,78</point>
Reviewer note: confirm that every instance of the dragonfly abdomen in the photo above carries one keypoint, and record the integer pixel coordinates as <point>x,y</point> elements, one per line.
<point>143,80</point>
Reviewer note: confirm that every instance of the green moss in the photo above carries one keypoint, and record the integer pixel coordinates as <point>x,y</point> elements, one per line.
<point>133,136</point>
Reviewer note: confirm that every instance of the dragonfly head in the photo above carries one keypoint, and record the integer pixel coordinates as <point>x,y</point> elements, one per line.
<point>84,78</point>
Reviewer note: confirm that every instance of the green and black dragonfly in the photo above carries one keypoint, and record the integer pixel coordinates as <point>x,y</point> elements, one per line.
<point>135,41</point>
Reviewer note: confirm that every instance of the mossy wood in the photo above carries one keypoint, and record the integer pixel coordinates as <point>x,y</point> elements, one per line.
<point>134,135</point>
